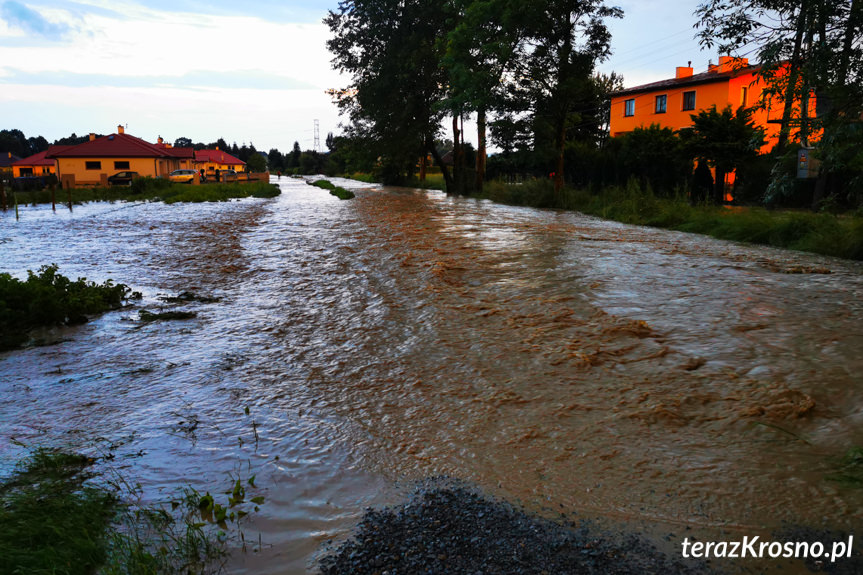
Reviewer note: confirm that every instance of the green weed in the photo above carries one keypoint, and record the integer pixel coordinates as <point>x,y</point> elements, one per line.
<point>47,298</point>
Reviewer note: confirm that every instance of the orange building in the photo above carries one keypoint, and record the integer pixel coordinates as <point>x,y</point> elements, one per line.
<point>671,103</point>
<point>36,165</point>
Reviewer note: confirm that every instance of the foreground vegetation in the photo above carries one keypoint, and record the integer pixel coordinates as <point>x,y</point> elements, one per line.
<point>152,190</point>
<point>57,517</point>
<point>47,298</point>
<point>822,233</point>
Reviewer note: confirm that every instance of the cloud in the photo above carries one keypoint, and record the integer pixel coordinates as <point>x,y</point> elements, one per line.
<point>30,21</point>
<point>249,79</point>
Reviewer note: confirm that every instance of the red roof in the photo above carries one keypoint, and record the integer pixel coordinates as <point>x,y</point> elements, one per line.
<point>703,78</point>
<point>182,153</point>
<point>113,146</point>
<point>217,157</point>
<point>37,159</point>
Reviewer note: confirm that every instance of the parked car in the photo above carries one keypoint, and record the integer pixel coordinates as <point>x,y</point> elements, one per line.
<point>122,178</point>
<point>183,176</point>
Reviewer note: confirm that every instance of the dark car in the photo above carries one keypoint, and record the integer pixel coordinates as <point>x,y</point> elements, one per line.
<point>122,178</point>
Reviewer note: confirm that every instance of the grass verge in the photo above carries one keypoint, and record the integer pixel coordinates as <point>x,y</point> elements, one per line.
<point>47,298</point>
<point>154,190</point>
<point>335,190</point>
<point>821,233</point>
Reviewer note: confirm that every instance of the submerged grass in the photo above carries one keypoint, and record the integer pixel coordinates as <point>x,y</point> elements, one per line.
<point>822,233</point>
<point>850,468</point>
<point>49,521</point>
<point>335,190</point>
<point>47,298</point>
<point>57,518</point>
<point>154,189</point>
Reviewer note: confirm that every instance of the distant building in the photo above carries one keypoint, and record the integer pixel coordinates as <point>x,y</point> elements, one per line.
<point>93,161</point>
<point>36,165</point>
<point>6,161</point>
<point>212,160</point>
<point>671,103</point>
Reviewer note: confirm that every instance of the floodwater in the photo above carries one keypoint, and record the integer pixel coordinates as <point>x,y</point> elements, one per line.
<point>555,359</point>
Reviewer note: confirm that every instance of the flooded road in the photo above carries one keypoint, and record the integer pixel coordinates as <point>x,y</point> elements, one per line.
<point>552,358</point>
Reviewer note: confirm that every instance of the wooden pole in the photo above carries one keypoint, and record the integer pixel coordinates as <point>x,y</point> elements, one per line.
<point>53,197</point>
<point>3,194</point>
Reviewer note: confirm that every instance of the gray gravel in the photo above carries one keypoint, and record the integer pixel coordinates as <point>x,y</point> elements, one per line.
<point>456,530</point>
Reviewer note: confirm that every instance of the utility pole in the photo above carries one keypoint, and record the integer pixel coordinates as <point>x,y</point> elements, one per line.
<point>317,146</point>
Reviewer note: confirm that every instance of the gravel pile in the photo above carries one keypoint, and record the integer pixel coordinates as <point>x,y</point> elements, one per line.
<point>455,530</point>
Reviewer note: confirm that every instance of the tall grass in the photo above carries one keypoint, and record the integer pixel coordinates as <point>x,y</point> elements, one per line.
<point>822,233</point>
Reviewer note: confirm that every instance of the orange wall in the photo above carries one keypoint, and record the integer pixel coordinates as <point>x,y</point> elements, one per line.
<point>77,167</point>
<point>675,117</point>
<point>36,170</point>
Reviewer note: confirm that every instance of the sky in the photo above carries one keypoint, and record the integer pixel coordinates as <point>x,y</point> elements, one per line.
<point>252,72</point>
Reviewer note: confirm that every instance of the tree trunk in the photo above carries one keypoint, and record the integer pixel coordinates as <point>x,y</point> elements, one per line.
<point>793,74</point>
<point>719,186</point>
<point>480,150</point>
<point>558,171</point>
<point>447,177</point>
<point>457,163</point>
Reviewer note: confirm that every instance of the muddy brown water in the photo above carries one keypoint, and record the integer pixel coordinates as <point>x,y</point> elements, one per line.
<point>646,376</point>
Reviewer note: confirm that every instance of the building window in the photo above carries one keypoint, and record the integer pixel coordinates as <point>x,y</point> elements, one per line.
<point>26,171</point>
<point>689,100</point>
<point>661,102</point>
<point>93,165</point>
<point>121,165</point>
<point>629,108</point>
<point>744,95</point>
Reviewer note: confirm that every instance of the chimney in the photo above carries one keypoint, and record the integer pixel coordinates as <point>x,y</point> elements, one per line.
<point>729,63</point>
<point>217,147</point>
<point>712,68</point>
<point>160,140</point>
<point>683,72</point>
<point>120,129</point>
<point>92,136</point>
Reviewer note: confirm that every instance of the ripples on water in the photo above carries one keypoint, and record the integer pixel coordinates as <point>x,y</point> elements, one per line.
<point>553,358</point>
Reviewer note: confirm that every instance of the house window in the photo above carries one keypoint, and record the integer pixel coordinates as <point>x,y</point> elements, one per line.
<point>93,165</point>
<point>629,108</point>
<point>689,100</point>
<point>661,102</point>
<point>26,171</point>
<point>744,94</point>
<point>121,165</point>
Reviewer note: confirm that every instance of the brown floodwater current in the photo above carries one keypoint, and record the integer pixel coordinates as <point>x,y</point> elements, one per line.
<point>645,376</point>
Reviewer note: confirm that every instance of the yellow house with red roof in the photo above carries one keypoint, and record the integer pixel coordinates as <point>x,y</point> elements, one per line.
<point>212,160</point>
<point>35,165</point>
<point>92,162</point>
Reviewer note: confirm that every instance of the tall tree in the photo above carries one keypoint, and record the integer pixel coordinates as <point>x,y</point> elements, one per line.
<point>481,52</point>
<point>564,40</point>
<point>390,50</point>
